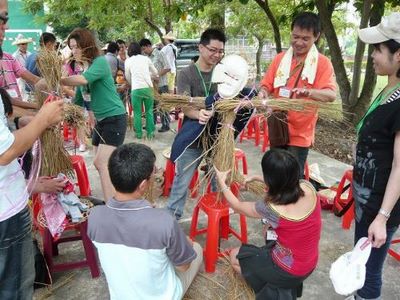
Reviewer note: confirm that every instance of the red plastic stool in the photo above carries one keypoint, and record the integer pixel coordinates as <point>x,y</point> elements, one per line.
<point>341,200</point>
<point>79,166</point>
<point>169,175</point>
<point>253,130</point>
<point>394,254</point>
<point>264,126</point>
<point>69,132</point>
<point>218,227</point>
<point>50,246</point>
<point>240,155</point>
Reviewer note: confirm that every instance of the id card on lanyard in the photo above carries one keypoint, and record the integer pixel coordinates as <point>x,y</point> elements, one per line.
<point>286,92</point>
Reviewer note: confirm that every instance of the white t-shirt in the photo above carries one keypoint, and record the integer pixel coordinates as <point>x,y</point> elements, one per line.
<point>168,51</point>
<point>13,192</point>
<point>138,71</point>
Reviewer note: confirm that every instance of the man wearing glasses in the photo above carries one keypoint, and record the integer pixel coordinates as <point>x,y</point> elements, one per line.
<point>194,80</point>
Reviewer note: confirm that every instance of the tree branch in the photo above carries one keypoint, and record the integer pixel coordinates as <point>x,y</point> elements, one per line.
<point>277,35</point>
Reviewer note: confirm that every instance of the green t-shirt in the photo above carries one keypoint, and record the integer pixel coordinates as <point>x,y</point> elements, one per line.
<point>105,102</point>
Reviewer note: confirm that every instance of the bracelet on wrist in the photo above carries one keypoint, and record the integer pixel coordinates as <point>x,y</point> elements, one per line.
<point>385,213</point>
<point>224,189</point>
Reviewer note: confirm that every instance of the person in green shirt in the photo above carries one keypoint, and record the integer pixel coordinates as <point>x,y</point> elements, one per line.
<point>97,86</point>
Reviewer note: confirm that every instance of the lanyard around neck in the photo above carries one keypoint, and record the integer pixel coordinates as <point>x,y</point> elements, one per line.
<point>378,100</point>
<point>206,91</point>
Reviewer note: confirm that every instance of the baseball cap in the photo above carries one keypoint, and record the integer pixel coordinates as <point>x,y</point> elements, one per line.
<point>387,29</point>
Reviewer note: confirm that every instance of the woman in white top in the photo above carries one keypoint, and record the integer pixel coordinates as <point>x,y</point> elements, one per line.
<point>139,72</point>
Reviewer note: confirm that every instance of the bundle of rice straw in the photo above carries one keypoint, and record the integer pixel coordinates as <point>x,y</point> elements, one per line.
<point>329,111</point>
<point>55,159</point>
<point>74,116</point>
<point>256,187</point>
<point>149,193</point>
<point>50,66</point>
<point>168,102</point>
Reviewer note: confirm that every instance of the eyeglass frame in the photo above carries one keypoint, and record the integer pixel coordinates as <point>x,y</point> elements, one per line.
<point>215,51</point>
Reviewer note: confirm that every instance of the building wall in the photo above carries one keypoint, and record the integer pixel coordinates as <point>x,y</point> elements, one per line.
<point>21,22</point>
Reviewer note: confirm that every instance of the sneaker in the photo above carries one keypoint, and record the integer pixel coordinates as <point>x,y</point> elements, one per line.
<point>82,147</point>
<point>163,129</point>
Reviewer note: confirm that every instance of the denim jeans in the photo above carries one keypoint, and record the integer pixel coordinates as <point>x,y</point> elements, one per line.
<point>373,281</point>
<point>164,115</point>
<point>300,153</point>
<point>185,167</point>
<point>17,269</point>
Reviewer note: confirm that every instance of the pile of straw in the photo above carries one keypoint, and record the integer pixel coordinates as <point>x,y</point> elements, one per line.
<point>256,187</point>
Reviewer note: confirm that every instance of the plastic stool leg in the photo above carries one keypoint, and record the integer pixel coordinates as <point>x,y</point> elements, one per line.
<point>193,225</point>
<point>48,249</point>
<point>194,184</point>
<point>211,251</point>
<point>89,251</point>
<point>169,174</point>
<point>244,163</point>
<point>224,227</point>
<point>348,217</point>
<point>243,228</point>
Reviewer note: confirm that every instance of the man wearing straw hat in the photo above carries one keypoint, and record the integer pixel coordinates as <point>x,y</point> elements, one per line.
<point>170,52</point>
<point>17,270</point>
<point>300,72</point>
<point>22,53</point>
<point>21,56</point>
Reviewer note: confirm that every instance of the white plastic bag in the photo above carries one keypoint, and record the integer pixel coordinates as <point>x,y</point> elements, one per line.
<point>348,271</point>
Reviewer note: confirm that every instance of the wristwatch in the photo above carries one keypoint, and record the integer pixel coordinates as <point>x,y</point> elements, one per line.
<point>384,213</point>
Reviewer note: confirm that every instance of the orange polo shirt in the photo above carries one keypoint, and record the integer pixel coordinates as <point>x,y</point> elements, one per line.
<point>301,125</point>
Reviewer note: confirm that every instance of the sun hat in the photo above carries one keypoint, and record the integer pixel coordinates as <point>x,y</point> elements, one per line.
<point>20,39</point>
<point>231,74</point>
<point>387,29</point>
<point>347,273</point>
<point>169,36</point>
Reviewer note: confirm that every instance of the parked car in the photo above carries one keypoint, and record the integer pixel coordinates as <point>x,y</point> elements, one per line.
<point>188,49</point>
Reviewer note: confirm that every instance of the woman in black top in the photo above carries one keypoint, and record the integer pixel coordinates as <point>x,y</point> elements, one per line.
<point>376,177</point>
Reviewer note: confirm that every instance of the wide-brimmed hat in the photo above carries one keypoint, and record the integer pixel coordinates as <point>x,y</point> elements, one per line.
<point>387,29</point>
<point>169,36</point>
<point>20,39</point>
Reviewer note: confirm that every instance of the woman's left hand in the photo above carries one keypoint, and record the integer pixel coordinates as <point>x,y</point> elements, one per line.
<point>377,232</point>
<point>221,175</point>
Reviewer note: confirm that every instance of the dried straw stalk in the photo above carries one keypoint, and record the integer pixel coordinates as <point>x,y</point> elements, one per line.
<point>55,159</point>
<point>256,187</point>
<point>50,67</point>
<point>149,193</point>
<point>74,116</point>
<point>168,102</point>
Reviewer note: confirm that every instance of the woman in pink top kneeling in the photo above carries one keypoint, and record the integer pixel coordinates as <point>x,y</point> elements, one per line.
<point>292,215</point>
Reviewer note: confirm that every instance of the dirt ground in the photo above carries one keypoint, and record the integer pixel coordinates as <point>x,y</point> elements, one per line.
<point>335,140</point>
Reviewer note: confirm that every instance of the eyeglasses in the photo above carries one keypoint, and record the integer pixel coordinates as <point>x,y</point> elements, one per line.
<point>215,51</point>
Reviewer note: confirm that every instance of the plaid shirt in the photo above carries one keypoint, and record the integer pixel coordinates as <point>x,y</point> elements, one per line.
<point>10,70</point>
<point>159,61</point>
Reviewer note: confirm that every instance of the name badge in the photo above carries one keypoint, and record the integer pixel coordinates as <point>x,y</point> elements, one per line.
<point>284,92</point>
<point>271,235</point>
<point>13,93</point>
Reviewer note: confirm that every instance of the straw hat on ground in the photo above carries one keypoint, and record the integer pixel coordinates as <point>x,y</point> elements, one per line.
<point>169,36</point>
<point>20,39</point>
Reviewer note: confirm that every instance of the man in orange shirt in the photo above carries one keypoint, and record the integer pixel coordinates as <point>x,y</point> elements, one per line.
<point>301,72</point>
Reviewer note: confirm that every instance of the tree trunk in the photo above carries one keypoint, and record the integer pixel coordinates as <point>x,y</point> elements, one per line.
<point>359,55</point>
<point>154,27</point>
<point>277,35</point>
<point>258,57</point>
<point>334,48</point>
<point>364,100</point>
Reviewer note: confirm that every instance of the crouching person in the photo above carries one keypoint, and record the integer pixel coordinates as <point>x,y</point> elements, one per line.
<point>292,214</point>
<point>143,251</point>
